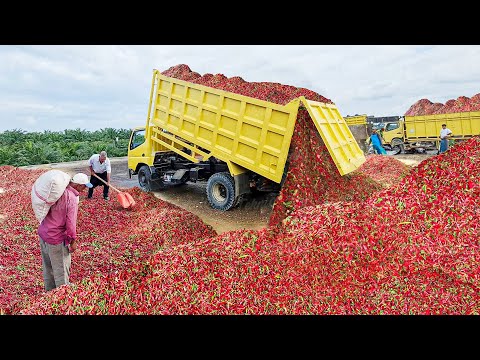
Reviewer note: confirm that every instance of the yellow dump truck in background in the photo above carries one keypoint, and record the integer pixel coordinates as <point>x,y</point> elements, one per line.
<point>238,144</point>
<point>422,132</point>
<point>356,120</point>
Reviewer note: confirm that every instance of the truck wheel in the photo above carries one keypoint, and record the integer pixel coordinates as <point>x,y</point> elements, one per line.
<point>398,146</point>
<point>398,149</point>
<point>144,178</point>
<point>221,191</point>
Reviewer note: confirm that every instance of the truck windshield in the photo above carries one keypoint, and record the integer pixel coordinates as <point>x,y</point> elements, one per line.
<point>391,126</point>
<point>138,138</point>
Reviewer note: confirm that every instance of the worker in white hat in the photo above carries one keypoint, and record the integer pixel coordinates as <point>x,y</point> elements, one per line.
<point>58,232</point>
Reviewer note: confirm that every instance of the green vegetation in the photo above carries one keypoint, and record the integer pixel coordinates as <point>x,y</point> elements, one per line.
<point>20,148</point>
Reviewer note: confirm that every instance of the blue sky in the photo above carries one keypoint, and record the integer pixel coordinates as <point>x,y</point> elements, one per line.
<point>91,87</point>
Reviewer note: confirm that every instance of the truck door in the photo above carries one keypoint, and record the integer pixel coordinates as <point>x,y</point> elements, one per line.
<point>392,131</point>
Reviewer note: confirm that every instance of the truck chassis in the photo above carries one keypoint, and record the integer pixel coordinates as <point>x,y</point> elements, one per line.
<point>171,169</point>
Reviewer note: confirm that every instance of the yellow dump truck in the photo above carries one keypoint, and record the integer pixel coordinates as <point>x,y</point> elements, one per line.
<point>238,144</point>
<point>356,120</point>
<point>422,132</point>
<point>359,128</point>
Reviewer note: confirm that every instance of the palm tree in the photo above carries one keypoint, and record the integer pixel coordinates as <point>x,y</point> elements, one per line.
<point>76,135</point>
<point>10,137</point>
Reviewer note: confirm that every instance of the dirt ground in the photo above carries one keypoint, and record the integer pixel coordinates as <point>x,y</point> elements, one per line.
<point>253,214</point>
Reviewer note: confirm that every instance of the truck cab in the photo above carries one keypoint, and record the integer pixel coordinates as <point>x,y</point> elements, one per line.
<point>137,148</point>
<point>393,136</point>
<point>140,159</point>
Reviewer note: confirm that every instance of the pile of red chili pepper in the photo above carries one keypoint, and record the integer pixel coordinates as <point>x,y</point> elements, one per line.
<point>386,170</point>
<point>461,104</point>
<point>335,245</point>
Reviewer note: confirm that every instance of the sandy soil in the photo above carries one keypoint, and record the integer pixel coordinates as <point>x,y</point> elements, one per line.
<point>253,214</point>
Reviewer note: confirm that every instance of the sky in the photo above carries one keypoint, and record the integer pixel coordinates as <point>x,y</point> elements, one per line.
<point>92,87</point>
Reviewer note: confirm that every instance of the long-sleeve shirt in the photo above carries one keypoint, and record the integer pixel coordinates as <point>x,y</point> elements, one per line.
<point>98,167</point>
<point>60,224</point>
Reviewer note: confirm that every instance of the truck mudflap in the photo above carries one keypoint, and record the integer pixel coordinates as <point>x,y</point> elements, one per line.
<point>336,135</point>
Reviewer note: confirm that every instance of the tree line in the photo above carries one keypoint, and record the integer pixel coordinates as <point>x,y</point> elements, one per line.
<point>21,148</point>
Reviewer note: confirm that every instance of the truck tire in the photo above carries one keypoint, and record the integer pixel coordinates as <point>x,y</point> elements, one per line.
<point>398,146</point>
<point>399,149</point>
<point>221,191</point>
<point>144,178</point>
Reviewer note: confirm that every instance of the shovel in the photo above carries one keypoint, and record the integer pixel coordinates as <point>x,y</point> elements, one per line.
<point>125,199</point>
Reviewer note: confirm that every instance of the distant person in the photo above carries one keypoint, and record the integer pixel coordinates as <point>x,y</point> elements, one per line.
<point>58,232</point>
<point>376,142</point>
<point>445,133</point>
<point>100,165</point>
<point>380,133</point>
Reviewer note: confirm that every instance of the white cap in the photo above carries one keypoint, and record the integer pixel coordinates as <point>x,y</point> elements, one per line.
<point>81,179</point>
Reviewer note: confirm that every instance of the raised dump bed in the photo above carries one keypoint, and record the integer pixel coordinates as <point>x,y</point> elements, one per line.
<point>196,132</point>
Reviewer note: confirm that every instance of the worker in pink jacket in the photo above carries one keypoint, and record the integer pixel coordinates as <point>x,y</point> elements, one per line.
<point>58,232</point>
